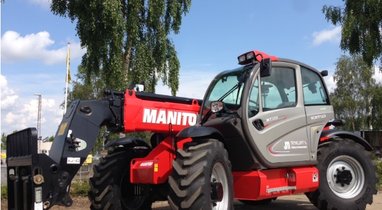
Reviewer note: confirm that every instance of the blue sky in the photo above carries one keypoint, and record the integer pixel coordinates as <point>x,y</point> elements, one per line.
<point>212,35</point>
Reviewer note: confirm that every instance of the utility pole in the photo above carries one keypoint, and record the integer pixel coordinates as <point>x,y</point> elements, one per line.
<point>39,137</point>
<point>39,116</point>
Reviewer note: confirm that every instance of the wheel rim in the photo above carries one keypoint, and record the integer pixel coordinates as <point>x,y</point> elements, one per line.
<point>219,175</point>
<point>345,177</point>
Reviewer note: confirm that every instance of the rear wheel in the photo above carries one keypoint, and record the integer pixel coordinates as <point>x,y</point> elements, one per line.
<point>201,178</point>
<point>110,186</point>
<point>347,177</point>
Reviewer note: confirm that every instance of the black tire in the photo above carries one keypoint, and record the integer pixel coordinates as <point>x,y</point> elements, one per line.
<point>191,181</point>
<point>110,186</point>
<point>347,177</point>
<point>259,202</point>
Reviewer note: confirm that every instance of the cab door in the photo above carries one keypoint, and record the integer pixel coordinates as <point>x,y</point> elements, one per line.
<point>276,120</point>
<point>317,107</point>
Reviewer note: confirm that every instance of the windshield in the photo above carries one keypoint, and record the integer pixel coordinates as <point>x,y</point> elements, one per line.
<point>227,88</point>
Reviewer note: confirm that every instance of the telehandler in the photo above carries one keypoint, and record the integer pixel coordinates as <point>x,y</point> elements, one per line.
<point>263,130</point>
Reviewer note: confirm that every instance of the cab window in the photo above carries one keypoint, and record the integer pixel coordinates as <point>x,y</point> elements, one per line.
<point>314,91</point>
<point>279,89</point>
<point>222,87</point>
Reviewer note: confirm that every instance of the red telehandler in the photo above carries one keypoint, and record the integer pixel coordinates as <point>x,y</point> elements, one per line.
<point>262,131</point>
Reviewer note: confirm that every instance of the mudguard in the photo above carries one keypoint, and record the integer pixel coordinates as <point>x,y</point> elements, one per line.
<point>199,132</point>
<point>326,135</point>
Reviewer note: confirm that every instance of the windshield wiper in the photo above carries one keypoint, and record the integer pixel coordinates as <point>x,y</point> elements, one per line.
<point>230,91</point>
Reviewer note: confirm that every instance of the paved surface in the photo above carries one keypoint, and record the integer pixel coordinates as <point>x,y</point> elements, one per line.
<point>295,202</point>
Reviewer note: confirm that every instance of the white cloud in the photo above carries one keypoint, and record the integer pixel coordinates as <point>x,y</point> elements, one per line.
<point>8,96</point>
<point>18,113</point>
<point>16,47</point>
<point>327,35</point>
<point>24,114</point>
<point>377,75</point>
<point>42,3</point>
<point>10,117</point>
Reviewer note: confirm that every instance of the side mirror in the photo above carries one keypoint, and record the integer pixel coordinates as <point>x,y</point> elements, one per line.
<point>265,67</point>
<point>324,73</point>
<point>216,106</point>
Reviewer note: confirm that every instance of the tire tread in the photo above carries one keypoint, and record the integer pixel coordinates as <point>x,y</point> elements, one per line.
<point>188,179</point>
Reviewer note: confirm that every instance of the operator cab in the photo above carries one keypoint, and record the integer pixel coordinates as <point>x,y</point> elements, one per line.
<point>272,110</point>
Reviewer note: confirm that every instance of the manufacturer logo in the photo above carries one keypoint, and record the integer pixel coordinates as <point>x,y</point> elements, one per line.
<point>318,117</point>
<point>168,117</point>
<point>81,144</point>
<point>288,145</point>
<point>146,164</point>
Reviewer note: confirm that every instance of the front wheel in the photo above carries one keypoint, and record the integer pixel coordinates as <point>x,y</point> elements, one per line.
<point>347,177</point>
<point>110,186</point>
<point>201,178</point>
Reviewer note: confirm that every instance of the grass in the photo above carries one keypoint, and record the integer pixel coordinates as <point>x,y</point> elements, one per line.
<point>79,188</point>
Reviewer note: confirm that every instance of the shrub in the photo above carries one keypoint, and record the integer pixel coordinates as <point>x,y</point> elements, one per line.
<point>4,191</point>
<point>379,173</point>
<point>80,188</point>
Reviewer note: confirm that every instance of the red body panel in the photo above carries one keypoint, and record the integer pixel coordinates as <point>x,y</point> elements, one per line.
<point>156,166</point>
<point>259,55</point>
<point>157,116</point>
<point>172,117</point>
<point>262,184</point>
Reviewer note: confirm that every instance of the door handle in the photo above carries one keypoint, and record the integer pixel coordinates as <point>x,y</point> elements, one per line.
<point>258,124</point>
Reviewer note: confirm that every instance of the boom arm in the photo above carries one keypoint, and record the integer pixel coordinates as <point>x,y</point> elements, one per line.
<point>38,181</point>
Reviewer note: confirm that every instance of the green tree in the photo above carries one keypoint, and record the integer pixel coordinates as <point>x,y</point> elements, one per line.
<point>51,138</point>
<point>127,41</point>
<point>85,90</point>
<point>376,107</point>
<point>361,22</point>
<point>354,93</point>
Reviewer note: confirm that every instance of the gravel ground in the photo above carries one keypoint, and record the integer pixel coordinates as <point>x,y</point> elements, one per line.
<point>295,202</point>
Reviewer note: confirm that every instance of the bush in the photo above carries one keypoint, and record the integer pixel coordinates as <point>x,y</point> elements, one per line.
<point>4,191</point>
<point>379,173</point>
<point>80,188</point>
